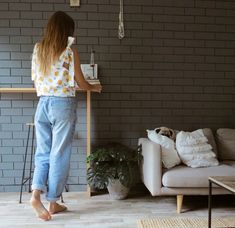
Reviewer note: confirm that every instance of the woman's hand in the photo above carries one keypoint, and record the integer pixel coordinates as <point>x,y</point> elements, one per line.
<point>79,77</point>
<point>96,88</point>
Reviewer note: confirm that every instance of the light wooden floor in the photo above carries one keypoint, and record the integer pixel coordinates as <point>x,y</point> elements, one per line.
<point>101,212</point>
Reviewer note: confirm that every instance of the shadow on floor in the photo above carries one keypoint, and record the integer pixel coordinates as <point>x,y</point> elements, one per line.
<point>218,201</point>
<point>190,203</point>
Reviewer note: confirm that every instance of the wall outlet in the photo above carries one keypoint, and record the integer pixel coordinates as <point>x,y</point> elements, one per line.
<point>74,2</point>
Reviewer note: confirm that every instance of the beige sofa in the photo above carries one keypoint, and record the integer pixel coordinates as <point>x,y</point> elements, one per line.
<point>182,180</point>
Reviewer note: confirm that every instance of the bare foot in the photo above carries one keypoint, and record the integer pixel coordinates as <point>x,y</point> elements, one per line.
<point>56,208</point>
<point>37,205</point>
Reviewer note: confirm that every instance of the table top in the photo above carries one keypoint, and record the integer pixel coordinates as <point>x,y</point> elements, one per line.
<point>227,182</point>
<point>33,90</point>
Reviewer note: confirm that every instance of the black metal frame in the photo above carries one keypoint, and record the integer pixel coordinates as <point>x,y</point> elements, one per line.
<point>210,200</point>
<point>209,204</point>
<point>25,179</point>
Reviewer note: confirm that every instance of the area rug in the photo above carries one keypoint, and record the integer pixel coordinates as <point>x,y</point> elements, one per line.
<point>185,222</point>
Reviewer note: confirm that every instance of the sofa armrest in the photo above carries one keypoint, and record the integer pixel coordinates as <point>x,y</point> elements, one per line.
<point>151,168</point>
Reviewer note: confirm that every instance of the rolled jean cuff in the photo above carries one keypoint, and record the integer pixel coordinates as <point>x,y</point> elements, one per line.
<point>41,188</point>
<point>52,199</point>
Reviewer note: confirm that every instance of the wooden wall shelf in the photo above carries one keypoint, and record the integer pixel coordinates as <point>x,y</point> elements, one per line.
<point>33,90</point>
<point>17,90</point>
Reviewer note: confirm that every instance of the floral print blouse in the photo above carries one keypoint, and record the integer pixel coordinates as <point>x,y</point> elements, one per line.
<point>60,82</point>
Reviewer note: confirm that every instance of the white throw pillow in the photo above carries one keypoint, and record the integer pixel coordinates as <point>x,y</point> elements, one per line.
<point>170,157</point>
<point>193,149</point>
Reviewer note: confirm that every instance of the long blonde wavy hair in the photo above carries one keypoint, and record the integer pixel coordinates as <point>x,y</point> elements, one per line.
<point>59,27</point>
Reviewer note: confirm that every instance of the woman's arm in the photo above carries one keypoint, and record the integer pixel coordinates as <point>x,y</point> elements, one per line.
<point>79,77</point>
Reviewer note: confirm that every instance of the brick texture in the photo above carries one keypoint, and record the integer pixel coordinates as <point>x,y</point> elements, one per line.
<point>175,67</point>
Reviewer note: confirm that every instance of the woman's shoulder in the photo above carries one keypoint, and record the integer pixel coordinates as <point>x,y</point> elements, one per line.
<point>70,41</point>
<point>36,46</point>
<point>74,50</point>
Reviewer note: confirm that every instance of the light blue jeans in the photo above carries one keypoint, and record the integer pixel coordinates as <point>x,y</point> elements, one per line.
<point>55,120</point>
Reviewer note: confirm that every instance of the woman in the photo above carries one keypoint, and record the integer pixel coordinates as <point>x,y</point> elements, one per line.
<point>56,73</point>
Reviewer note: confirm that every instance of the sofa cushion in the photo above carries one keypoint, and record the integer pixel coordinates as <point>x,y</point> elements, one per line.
<point>229,162</point>
<point>184,176</point>
<point>225,139</point>
<point>211,140</point>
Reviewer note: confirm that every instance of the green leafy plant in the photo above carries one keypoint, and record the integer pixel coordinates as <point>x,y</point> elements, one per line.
<point>113,161</point>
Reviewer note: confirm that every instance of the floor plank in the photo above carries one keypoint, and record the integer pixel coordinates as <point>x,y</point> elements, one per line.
<point>102,212</point>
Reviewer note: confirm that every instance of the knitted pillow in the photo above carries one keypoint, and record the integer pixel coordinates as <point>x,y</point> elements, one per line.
<point>170,157</point>
<point>193,149</point>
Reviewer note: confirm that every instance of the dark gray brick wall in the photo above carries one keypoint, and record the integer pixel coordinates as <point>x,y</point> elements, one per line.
<point>175,68</point>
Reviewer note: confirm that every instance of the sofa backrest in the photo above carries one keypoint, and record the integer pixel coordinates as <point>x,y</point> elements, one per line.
<point>225,139</point>
<point>211,140</point>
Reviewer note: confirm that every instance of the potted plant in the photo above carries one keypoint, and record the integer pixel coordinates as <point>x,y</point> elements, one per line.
<point>114,166</point>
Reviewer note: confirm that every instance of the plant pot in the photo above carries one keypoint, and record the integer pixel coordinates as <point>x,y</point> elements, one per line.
<point>116,190</point>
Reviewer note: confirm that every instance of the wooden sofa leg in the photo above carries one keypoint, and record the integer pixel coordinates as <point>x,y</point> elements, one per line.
<point>179,203</point>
